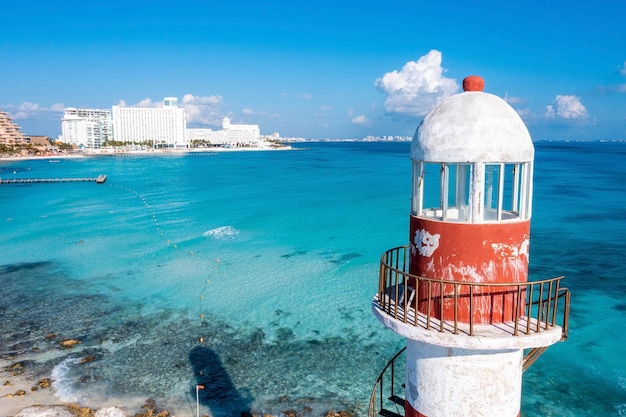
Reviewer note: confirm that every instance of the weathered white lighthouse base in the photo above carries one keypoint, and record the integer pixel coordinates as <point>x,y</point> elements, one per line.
<point>454,382</point>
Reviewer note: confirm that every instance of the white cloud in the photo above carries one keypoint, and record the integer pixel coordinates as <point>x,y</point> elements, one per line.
<point>203,110</point>
<point>360,120</point>
<point>622,69</point>
<point>513,100</point>
<point>610,89</point>
<point>323,111</point>
<point>148,103</point>
<point>566,107</point>
<point>28,110</point>
<point>524,113</point>
<point>199,110</point>
<point>145,103</point>
<point>417,87</point>
<point>250,112</point>
<point>305,96</point>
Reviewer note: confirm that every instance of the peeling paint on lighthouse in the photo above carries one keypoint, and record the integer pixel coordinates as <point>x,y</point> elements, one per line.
<point>425,243</point>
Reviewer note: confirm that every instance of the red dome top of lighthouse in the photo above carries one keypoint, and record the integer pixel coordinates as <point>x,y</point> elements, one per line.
<point>472,126</point>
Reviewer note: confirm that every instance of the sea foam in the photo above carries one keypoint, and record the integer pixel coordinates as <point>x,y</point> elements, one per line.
<point>61,382</point>
<point>222,233</point>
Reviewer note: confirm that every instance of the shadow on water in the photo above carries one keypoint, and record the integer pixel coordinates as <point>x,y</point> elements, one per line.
<point>219,393</point>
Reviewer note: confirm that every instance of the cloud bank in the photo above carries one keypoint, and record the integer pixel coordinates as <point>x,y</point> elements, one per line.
<point>415,89</point>
<point>28,110</point>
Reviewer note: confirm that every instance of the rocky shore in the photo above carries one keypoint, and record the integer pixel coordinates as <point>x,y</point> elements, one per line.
<point>20,397</point>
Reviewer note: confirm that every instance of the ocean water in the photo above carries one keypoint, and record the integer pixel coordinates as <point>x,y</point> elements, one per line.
<point>252,273</point>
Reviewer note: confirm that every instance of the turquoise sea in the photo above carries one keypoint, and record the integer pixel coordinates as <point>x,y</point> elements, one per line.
<point>252,273</point>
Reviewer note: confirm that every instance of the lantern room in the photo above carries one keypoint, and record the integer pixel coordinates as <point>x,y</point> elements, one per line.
<point>472,161</point>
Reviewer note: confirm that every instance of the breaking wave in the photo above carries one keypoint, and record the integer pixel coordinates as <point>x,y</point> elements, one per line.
<point>62,382</point>
<point>222,233</point>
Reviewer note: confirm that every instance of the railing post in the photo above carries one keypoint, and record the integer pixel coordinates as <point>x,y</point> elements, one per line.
<point>547,317</point>
<point>456,308</point>
<point>441,305</point>
<point>556,302</point>
<point>471,312</point>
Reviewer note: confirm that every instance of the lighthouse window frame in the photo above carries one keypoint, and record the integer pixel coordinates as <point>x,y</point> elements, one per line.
<point>448,197</point>
<point>443,191</point>
<point>455,191</point>
<point>506,192</point>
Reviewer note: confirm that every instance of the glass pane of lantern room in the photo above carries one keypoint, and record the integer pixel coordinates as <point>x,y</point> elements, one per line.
<point>492,192</point>
<point>458,192</point>
<point>431,196</point>
<point>511,192</point>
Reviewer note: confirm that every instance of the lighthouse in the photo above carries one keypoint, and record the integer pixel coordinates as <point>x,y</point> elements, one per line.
<point>459,292</point>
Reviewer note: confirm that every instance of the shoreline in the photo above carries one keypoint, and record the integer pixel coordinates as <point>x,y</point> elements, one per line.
<point>145,152</point>
<point>21,396</point>
<point>26,391</point>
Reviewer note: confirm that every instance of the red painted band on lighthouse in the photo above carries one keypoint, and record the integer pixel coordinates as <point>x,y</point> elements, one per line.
<point>479,253</point>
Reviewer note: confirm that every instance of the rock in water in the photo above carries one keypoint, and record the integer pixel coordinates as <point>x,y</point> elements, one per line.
<point>69,343</point>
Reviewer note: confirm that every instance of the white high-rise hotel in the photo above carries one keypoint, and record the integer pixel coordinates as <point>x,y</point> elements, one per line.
<point>161,127</point>
<point>86,127</point>
<point>164,127</point>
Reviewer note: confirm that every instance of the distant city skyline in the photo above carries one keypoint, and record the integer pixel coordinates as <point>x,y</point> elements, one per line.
<point>322,70</point>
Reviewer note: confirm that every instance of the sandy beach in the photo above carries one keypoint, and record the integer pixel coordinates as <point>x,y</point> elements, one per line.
<point>143,152</point>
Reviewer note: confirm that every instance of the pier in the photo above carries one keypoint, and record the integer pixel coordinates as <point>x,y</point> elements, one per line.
<point>100,179</point>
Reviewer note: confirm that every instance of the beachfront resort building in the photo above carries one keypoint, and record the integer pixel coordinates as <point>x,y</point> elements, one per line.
<point>10,133</point>
<point>163,127</point>
<point>88,128</point>
<point>231,135</point>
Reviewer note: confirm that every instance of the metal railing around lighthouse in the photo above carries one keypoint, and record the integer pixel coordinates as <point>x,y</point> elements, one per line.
<point>537,306</point>
<point>419,301</point>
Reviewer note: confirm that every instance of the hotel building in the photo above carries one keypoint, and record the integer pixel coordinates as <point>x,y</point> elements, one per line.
<point>237,135</point>
<point>89,128</point>
<point>163,127</point>
<point>160,127</point>
<point>10,133</point>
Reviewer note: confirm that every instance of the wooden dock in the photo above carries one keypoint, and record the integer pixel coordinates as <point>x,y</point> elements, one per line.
<point>100,179</point>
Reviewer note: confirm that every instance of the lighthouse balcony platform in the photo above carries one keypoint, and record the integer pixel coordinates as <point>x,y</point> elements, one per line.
<point>470,315</point>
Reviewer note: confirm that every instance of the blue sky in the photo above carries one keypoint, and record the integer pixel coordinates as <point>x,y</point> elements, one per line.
<point>322,69</point>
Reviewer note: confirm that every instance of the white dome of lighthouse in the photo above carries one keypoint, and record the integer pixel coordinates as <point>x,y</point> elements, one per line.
<point>472,126</point>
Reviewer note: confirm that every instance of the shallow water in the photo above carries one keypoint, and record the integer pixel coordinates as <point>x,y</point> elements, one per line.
<point>271,259</point>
